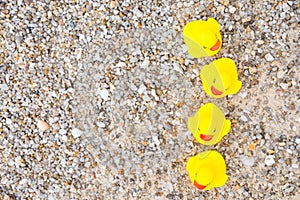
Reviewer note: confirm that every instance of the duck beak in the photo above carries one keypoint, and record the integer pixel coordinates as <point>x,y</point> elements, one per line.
<point>216,46</point>
<point>200,187</point>
<point>206,137</point>
<point>215,91</point>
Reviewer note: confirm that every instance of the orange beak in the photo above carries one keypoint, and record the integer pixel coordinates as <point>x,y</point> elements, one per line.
<point>200,187</point>
<point>216,46</point>
<point>215,91</point>
<point>206,137</point>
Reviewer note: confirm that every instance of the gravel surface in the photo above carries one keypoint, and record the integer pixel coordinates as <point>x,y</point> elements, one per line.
<point>95,98</point>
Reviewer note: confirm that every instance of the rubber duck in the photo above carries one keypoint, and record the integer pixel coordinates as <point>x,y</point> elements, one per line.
<point>202,38</point>
<point>220,78</point>
<point>209,124</point>
<point>207,170</point>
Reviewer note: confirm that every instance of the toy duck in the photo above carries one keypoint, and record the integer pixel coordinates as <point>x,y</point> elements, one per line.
<point>207,170</point>
<point>209,124</point>
<point>220,78</point>
<point>202,38</point>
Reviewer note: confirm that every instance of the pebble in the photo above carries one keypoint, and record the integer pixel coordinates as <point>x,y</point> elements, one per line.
<point>178,68</point>
<point>280,74</point>
<point>295,166</point>
<point>133,60</point>
<point>64,138</point>
<point>244,118</point>
<point>285,7</point>
<point>9,121</point>
<point>247,161</point>
<point>4,87</point>
<point>232,9</point>
<point>138,13</point>
<point>243,94</point>
<point>269,57</point>
<point>145,63</point>
<point>76,133</point>
<point>284,86</point>
<point>156,140</point>
<point>269,160</point>
<point>63,132</point>
<point>104,94</point>
<point>121,65</point>
<point>142,89</point>
<point>42,125</point>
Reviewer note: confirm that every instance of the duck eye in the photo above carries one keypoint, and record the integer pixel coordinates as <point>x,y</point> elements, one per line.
<point>204,47</point>
<point>214,81</point>
<point>214,130</point>
<point>198,129</point>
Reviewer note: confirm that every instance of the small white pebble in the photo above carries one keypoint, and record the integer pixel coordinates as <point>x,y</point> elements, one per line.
<point>64,138</point>
<point>247,161</point>
<point>156,140</point>
<point>295,166</point>
<point>269,57</point>
<point>297,140</point>
<point>138,13</point>
<point>100,124</point>
<point>20,2</point>
<point>133,60</point>
<point>121,64</point>
<point>285,7</point>
<point>8,121</point>
<point>260,42</point>
<point>232,9</point>
<point>280,74</point>
<point>142,89</point>
<point>87,164</point>
<point>177,68</point>
<point>18,159</point>
<point>284,86</point>
<point>145,63</point>
<point>269,160</point>
<point>270,185</point>
<point>4,87</point>
<point>104,94</point>
<point>62,131</point>
<point>76,133</point>
<point>151,145</point>
<point>242,94</point>
<point>244,118</point>
<point>23,181</point>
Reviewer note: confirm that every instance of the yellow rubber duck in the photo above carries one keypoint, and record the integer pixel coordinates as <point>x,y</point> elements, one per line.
<point>202,38</point>
<point>207,170</point>
<point>209,124</point>
<point>220,78</point>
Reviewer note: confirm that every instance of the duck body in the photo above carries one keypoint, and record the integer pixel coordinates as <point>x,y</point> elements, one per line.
<point>220,78</point>
<point>207,170</point>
